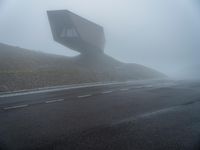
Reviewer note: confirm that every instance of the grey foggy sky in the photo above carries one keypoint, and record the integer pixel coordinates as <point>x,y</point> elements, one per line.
<point>162,34</point>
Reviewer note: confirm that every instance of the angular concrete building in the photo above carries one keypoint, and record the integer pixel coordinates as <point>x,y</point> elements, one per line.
<point>75,32</point>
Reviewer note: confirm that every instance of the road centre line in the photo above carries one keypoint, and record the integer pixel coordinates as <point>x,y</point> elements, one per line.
<point>83,96</point>
<point>106,92</point>
<point>15,107</point>
<point>53,101</point>
<point>125,89</point>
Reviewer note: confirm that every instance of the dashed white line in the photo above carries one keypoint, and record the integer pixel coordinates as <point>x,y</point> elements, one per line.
<point>106,92</point>
<point>53,101</point>
<point>124,89</point>
<point>15,107</point>
<point>83,96</point>
<point>148,86</point>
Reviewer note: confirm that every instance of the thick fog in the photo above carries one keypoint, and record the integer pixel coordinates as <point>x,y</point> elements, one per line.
<point>164,35</point>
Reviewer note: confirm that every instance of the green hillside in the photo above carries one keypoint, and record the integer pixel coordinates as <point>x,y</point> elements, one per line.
<point>25,69</point>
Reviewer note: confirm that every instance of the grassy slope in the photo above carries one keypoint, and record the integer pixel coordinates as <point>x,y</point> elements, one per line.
<point>23,69</point>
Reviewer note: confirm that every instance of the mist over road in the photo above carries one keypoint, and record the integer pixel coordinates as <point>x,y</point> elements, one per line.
<point>158,114</point>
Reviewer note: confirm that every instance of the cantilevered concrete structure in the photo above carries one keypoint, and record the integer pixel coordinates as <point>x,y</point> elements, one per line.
<point>76,32</point>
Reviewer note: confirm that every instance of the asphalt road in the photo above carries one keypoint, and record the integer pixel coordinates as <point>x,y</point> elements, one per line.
<point>153,115</point>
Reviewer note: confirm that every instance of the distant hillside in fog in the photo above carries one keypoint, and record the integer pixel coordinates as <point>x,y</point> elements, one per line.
<point>190,72</point>
<point>25,69</point>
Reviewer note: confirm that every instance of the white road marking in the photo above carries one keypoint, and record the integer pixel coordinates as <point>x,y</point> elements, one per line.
<point>124,89</point>
<point>15,107</point>
<point>148,86</point>
<point>165,110</point>
<point>150,114</point>
<point>53,101</point>
<point>83,96</point>
<point>59,88</point>
<point>69,87</point>
<point>106,92</point>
